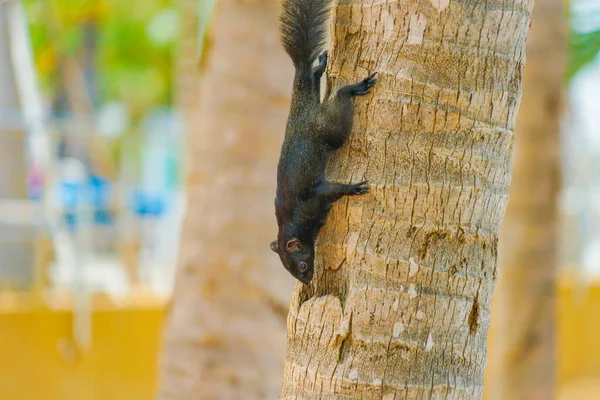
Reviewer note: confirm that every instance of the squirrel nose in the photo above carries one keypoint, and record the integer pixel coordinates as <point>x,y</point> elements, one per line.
<point>306,279</point>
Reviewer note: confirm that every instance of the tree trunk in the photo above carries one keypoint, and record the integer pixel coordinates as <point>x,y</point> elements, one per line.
<point>400,305</point>
<point>185,69</point>
<point>522,358</point>
<point>16,241</point>
<point>225,334</point>
<point>12,147</point>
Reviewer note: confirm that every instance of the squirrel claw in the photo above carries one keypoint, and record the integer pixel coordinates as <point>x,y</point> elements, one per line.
<point>323,57</point>
<point>320,68</point>
<point>370,80</point>
<point>361,188</point>
<point>366,84</point>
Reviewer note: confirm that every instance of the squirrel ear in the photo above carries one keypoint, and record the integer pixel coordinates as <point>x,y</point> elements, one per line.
<point>274,246</point>
<point>293,245</point>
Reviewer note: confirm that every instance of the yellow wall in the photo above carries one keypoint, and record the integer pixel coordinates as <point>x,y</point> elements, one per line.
<point>37,361</point>
<point>578,332</point>
<point>577,341</point>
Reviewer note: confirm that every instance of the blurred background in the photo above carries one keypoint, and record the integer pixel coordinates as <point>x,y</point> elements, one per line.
<point>96,105</point>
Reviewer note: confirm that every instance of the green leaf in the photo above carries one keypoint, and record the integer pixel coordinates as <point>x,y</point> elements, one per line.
<point>583,49</point>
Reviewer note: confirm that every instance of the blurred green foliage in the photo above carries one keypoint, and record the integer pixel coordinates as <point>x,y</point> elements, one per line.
<point>584,40</point>
<point>136,44</point>
<point>583,49</point>
<point>133,51</point>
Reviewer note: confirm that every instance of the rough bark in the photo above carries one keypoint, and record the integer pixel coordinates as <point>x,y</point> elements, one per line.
<point>400,305</point>
<point>225,333</point>
<point>522,357</point>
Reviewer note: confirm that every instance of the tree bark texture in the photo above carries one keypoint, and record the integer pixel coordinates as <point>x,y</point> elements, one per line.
<point>400,305</point>
<point>522,359</point>
<point>225,333</point>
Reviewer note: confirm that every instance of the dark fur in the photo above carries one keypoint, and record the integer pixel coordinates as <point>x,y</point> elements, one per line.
<point>315,130</point>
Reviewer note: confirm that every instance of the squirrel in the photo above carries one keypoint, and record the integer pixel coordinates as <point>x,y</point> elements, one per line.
<point>314,131</point>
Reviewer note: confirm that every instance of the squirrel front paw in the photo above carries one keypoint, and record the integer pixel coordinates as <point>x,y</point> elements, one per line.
<point>366,84</point>
<point>360,188</point>
<point>320,68</point>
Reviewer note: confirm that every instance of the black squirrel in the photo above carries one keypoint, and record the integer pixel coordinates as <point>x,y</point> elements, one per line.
<point>315,130</point>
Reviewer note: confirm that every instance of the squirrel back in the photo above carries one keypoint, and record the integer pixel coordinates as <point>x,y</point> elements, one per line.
<point>314,131</point>
<point>302,25</point>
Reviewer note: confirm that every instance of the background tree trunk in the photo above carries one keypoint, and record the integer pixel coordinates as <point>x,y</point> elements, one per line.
<point>522,359</point>
<point>17,253</point>
<point>225,333</point>
<point>400,306</point>
<point>12,146</point>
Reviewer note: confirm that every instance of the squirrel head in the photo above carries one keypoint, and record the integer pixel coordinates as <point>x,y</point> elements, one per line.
<point>297,258</point>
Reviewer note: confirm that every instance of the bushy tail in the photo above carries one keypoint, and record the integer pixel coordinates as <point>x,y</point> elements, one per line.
<point>302,24</point>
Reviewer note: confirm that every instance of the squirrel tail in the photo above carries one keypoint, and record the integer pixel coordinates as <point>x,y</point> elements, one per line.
<point>302,25</point>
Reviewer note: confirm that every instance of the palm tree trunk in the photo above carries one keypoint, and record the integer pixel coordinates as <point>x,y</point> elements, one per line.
<point>522,359</point>
<point>225,334</point>
<point>400,305</point>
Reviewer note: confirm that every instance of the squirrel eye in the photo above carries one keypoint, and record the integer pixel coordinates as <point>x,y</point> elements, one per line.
<point>302,266</point>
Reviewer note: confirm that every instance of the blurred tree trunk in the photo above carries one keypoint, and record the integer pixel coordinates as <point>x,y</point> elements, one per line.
<point>400,306</point>
<point>522,359</point>
<point>225,332</point>
<point>12,146</point>
<point>16,241</point>
<point>186,65</point>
